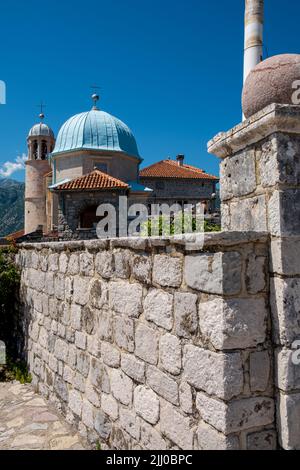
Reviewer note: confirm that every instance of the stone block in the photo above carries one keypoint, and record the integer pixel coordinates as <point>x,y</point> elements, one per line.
<point>238,175</point>
<point>249,215</point>
<point>124,332</point>
<point>61,350</point>
<point>163,384</point>
<point>210,439</point>
<point>83,363</point>
<point>81,290</point>
<point>263,440</point>
<point>260,369</point>
<point>146,344</point>
<point>237,415</point>
<point>285,307</point>
<point>218,273</point>
<point>75,402</point>
<point>288,421</point>
<point>110,355</point>
<point>285,255</point>
<point>176,427</point>
<point>86,263</point>
<point>73,267</point>
<point>133,367</point>
<point>256,268</point>
<point>99,376</point>
<point>80,340</point>
<point>170,353</point>
<point>98,293</point>
<point>126,298</point>
<point>130,423</point>
<point>151,439</point>
<point>158,308</point>
<point>110,406</point>
<point>142,268</point>
<point>287,369</point>
<point>167,271</point>
<point>146,404</point>
<point>234,323</point>
<point>215,373</point>
<point>88,414</point>
<point>104,264</point>
<point>186,397</point>
<point>280,207</point>
<point>122,260</point>
<point>121,387</point>
<point>102,425</point>
<point>185,313</point>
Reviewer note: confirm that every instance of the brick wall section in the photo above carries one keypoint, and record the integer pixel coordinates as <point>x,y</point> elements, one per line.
<point>144,345</point>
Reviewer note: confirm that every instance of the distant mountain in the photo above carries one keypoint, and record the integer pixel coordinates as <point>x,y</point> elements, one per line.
<point>11,206</point>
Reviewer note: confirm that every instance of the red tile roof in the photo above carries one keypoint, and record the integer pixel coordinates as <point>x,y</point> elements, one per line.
<point>171,169</point>
<point>95,180</point>
<point>15,235</point>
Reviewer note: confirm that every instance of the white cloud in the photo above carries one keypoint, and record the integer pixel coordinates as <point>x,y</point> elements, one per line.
<point>8,168</point>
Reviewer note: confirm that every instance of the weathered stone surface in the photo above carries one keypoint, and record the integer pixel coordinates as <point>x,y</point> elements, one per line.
<point>146,404</point>
<point>130,422</point>
<point>237,415</point>
<point>234,323</point>
<point>122,264</point>
<point>285,306</point>
<point>110,355</point>
<point>102,425</point>
<point>88,319</point>
<point>287,369</point>
<point>121,387</point>
<point>80,340</point>
<point>260,369</point>
<point>249,215</point>
<point>210,439</point>
<point>285,255</point>
<point>124,332</point>
<point>98,293</point>
<point>264,440</point>
<point>158,308</point>
<point>256,274</point>
<point>104,264</point>
<point>110,406</point>
<point>81,290</point>
<point>99,376</point>
<point>218,273</point>
<point>167,271</point>
<point>289,421</point>
<point>163,385</point>
<point>146,344</point>
<point>142,268</point>
<point>83,363</point>
<point>88,414</point>
<point>280,206</point>
<point>73,267</point>
<point>75,402</point>
<point>185,312</point>
<point>133,367</point>
<point>105,325</point>
<point>61,350</point>
<point>86,263</point>
<point>176,427</point>
<point>170,353</point>
<point>216,374</point>
<point>126,298</point>
<point>186,397</point>
<point>151,439</point>
<point>238,175</point>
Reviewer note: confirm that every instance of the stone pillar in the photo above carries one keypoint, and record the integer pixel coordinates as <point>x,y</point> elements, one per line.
<point>260,191</point>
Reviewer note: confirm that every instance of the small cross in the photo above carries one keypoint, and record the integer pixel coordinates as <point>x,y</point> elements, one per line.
<point>41,106</point>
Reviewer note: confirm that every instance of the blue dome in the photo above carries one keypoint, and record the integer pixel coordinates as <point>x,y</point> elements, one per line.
<point>95,130</point>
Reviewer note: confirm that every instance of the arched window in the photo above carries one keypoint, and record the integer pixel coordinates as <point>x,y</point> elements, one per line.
<point>35,149</point>
<point>44,150</point>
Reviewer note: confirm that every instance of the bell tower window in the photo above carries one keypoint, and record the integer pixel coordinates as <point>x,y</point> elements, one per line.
<point>35,150</point>
<point>44,151</point>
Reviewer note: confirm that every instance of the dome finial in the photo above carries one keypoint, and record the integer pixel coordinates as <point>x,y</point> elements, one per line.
<point>95,96</point>
<point>41,106</point>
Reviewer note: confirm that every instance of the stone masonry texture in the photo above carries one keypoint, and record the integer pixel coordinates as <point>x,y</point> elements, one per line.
<point>148,344</point>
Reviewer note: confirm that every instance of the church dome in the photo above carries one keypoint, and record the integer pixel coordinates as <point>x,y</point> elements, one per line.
<point>40,129</point>
<point>96,130</point>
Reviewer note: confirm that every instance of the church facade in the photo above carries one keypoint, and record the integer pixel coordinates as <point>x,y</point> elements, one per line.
<point>93,161</point>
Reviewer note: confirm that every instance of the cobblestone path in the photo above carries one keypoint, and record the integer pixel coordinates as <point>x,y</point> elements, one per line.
<point>28,421</point>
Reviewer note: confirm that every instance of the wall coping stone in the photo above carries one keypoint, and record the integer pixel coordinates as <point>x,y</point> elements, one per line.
<point>273,118</point>
<point>142,244</point>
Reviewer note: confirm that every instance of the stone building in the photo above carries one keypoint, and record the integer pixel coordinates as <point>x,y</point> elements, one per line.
<point>94,160</point>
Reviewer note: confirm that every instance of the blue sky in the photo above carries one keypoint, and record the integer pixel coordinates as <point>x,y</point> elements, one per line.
<point>170,69</point>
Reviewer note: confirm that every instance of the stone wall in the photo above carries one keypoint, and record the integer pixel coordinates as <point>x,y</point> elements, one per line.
<point>144,344</point>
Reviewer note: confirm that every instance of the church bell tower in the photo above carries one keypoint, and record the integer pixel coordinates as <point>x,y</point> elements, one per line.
<point>40,144</point>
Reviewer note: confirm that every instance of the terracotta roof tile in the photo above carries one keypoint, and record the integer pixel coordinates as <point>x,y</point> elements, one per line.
<point>95,180</point>
<point>15,235</point>
<point>171,169</point>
